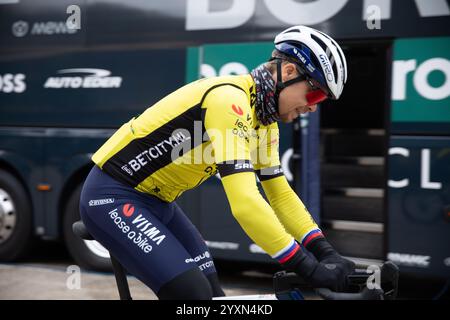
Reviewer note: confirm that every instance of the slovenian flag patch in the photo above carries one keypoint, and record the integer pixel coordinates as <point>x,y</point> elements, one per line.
<point>288,252</point>
<point>316,233</point>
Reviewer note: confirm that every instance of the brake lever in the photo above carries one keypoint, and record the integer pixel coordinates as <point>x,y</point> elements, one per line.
<point>389,280</point>
<point>387,290</point>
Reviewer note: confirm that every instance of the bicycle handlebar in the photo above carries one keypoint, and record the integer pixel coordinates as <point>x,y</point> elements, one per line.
<point>286,286</point>
<point>365,294</point>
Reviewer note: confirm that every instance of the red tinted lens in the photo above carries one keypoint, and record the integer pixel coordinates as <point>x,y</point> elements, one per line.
<point>315,97</point>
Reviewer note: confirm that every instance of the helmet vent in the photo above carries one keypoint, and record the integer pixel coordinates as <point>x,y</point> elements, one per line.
<point>333,64</point>
<point>325,35</point>
<point>340,57</point>
<point>320,42</point>
<point>293,31</point>
<point>327,51</point>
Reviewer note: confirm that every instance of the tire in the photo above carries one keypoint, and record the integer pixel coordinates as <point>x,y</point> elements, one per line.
<point>89,255</point>
<point>16,220</point>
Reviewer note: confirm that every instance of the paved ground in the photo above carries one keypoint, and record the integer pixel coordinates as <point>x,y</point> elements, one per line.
<point>56,281</point>
<point>50,282</point>
<point>45,275</point>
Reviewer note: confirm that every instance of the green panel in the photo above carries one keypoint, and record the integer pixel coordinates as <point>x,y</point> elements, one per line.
<point>426,94</point>
<point>225,59</point>
<point>239,58</point>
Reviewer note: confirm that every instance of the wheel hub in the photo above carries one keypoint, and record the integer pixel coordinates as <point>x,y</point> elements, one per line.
<point>8,216</point>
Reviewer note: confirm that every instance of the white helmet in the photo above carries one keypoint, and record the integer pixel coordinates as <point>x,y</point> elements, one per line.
<point>318,55</point>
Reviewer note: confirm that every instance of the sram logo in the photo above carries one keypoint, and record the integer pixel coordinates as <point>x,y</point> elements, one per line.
<point>83,78</point>
<point>243,165</point>
<point>12,83</point>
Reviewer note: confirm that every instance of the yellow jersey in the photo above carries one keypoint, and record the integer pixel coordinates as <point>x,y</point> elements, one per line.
<point>205,127</point>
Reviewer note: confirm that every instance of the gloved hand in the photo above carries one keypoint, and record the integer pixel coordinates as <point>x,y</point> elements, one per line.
<point>330,275</point>
<point>318,274</point>
<point>346,265</point>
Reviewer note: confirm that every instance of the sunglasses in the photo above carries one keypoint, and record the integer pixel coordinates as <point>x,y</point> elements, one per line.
<point>316,95</point>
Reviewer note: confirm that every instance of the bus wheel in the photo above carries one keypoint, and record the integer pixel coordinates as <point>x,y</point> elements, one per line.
<point>15,219</point>
<point>88,254</point>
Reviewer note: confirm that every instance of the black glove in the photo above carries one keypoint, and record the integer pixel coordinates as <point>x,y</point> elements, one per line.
<point>325,254</point>
<point>318,274</point>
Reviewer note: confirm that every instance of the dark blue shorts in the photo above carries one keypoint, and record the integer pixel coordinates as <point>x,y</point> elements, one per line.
<point>152,239</point>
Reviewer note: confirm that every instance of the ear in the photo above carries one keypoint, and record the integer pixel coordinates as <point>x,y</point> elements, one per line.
<point>290,70</point>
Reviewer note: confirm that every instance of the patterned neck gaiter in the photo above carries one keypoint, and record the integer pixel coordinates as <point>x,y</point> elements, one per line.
<point>266,100</point>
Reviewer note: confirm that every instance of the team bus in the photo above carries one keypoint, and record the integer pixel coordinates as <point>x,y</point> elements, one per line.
<point>373,167</point>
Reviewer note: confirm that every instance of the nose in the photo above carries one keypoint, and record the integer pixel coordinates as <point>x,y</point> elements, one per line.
<point>312,108</point>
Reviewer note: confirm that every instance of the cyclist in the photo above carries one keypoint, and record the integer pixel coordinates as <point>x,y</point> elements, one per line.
<point>226,125</point>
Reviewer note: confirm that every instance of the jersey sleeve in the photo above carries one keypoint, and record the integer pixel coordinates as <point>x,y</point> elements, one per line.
<point>288,207</point>
<point>290,210</point>
<point>227,123</point>
<point>255,215</point>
